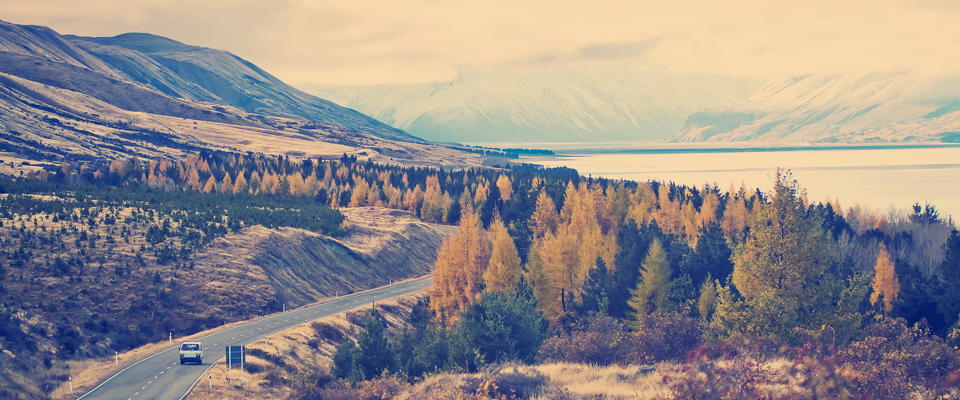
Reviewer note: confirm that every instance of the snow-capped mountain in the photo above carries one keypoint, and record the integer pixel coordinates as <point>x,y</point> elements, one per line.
<point>613,102</point>
<point>599,102</point>
<point>842,108</point>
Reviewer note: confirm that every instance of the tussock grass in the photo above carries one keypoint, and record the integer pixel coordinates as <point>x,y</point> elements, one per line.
<point>607,382</point>
<point>286,359</point>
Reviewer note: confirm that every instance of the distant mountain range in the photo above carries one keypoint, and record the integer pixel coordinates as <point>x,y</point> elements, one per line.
<point>620,103</point>
<point>69,97</point>
<point>850,108</point>
<point>605,102</point>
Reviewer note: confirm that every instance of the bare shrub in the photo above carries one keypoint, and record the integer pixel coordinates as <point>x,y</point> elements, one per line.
<point>384,387</point>
<point>274,359</point>
<point>274,378</point>
<point>327,332</point>
<point>663,336</point>
<point>511,383</point>
<point>597,340</point>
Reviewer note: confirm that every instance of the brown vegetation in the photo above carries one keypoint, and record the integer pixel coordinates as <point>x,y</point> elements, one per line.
<point>286,363</point>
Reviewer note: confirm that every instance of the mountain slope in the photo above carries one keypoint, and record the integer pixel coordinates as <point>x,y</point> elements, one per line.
<point>43,42</point>
<point>845,108</point>
<point>147,73</point>
<point>600,102</point>
<point>204,74</point>
<point>42,124</point>
<point>60,102</point>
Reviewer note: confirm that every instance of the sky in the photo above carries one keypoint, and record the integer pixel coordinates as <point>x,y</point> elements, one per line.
<point>359,42</point>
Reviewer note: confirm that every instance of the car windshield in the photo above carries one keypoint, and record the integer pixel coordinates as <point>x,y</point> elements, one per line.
<point>190,347</point>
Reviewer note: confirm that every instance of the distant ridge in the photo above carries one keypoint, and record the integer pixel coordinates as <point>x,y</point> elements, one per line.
<point>880,107</point>
<point>67,98</point>
<point>174,69</point>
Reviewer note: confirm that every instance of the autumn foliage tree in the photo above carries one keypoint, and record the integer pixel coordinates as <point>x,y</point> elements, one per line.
<point>545,218</point>
<point>886,285</point>
<point>503,271</point>
<point>461,261</point>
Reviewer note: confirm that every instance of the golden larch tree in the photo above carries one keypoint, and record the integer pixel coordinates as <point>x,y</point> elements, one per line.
<point>668,214</point>
<point>461,261</point>
<point>545,217</point>
<point>505,186</point>
<point>503,271</point>
<point>736,216</point>
<point>708,209</point>
<point>358,197</point>
<point>643,203</point>
<point>540,283</point>
<point>481,193</point>
<point>226,185</point>
<point>432,208</point>
<point>211,185</point>
<point>886,285</point>
<point>240,184</point>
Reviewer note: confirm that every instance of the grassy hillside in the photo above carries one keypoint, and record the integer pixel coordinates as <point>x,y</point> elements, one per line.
<point>144,72</point>
<point>283,364</point>
<point>87,270</point>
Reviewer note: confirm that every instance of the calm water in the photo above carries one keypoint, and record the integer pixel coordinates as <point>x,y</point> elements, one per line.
<point>879,178</point>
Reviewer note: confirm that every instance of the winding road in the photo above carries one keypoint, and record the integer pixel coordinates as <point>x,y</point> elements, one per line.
<point>160,376</point>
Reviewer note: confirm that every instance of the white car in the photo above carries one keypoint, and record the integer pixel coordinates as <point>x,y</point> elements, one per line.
<point>191,352</point>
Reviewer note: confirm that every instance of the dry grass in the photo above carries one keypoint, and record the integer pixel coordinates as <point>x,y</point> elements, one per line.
<point>609,382</point>
<point>281,136</point>
<point>289,355</point>
<point>226,263</point>
<point>295,341</point>
<point>547,381</point>
<point>88,373</point>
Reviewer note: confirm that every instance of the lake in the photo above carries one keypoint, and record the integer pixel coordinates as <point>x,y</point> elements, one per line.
<point>882,178</point>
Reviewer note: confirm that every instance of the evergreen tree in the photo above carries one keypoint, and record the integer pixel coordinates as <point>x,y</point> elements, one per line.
<point>596,291</point>
<point>653,291</point>
<point>948,302</point>
<point>374,354</point>
<point>632,248</point>
<point>423,347</point>
<point>500,327</point>
<point>780,269</point>
<point>711,257</point>
<point>344,361</point>
<point>707,302</point>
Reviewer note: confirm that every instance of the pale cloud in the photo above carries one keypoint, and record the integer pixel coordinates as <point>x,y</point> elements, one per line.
<point>619,49</point>
<point>358,42</point>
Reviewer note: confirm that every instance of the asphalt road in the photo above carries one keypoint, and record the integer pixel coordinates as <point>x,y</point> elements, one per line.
<point>160,376</point>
